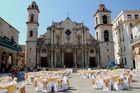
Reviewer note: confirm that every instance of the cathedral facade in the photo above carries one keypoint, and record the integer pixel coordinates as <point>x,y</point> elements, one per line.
<point>68,43</point>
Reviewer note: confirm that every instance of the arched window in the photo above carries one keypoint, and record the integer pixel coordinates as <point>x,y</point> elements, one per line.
<point>106,36</point>
<point>104,19</point>
<point>103,9</point>
<point>32,17</point>
<point>97,35</point>
<point>31,33</point>
<point>32,6</point>
<point>131,25</point>
<point>96,20</point>
<point>3,56</point>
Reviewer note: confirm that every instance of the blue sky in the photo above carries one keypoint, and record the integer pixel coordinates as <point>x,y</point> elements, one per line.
<point>15,12</point>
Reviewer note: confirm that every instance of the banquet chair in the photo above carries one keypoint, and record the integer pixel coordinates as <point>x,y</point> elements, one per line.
<point>118,85</point>
<point>127,82</point>
<point>46,87</point>
<point>93,83</point>
<point>38,87</point>
<point>106,84</point>
<point>12,89</point>
<point>23,90</point>
<point>65,83</point>
<point>58,86</point>
<point>3,90</point>
<point>85,75</point>
<point>35,83</point>
<point>97,83</point>
<point>28,81</point>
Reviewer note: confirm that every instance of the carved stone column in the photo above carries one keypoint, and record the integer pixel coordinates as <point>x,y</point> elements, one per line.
<point>98,53</point>
<point>86,62</point>
<point>52,37</point>
<point>0,59</point>
<point>98,56</point>
<point>62,57</point>
<point>83,62</point>
<point>82,37</point>
<point>75,64</point>
<point>87,57</point>
<point>49,58</point>
<point>52,58</point>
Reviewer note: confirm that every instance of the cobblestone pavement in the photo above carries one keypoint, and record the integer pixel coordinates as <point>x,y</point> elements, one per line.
<point>82,85</point>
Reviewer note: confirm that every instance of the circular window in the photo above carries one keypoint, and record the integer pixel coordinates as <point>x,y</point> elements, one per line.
<point>92,51</point>
<point>43,50</point>
<point>68,32</point>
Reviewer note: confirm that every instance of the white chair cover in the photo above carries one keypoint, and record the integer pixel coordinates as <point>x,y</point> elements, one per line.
<point>58,88</point>
<point>106,85</point>
<point>98,84</point>
<point>3,91</point>
<point>39,87</point>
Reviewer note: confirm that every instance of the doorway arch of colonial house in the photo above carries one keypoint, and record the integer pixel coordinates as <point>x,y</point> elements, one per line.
<point>6,60</point>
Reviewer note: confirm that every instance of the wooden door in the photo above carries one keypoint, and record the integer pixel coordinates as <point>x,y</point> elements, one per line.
<point>44,62</point>
<point>68,60</point>
<point>92,62</point>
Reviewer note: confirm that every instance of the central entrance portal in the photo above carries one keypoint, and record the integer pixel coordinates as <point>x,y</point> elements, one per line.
<point>44,62</point>
<point>68,60</point>
<point>92,62</point>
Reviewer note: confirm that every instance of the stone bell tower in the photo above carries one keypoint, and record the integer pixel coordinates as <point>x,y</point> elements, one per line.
<point>104,32</point>
<point>32,35</point>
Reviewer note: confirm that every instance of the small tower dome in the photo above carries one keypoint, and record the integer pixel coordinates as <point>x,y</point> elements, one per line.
<point>33,6</point>
<point>102,8</point>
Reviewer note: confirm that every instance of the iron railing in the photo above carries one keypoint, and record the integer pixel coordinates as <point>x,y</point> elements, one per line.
<point>9,44</point>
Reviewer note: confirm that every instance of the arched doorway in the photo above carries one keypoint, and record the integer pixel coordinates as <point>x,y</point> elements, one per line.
<point>106,36</point>
<point>9,61</point>
<point>44,62</point>
<point>92,62</point>
<point>134,64</point>
<point>3,61</point>
<point>68,60</point>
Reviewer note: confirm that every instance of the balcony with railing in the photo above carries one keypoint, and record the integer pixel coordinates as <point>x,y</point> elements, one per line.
<point>9,44</point>
<point>135,40</point>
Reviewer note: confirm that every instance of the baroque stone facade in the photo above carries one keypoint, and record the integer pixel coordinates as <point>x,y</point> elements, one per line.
<point>68,43</point>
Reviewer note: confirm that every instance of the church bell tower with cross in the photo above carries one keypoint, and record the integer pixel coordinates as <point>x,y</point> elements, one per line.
<point>104,32</point>
<point>32,35</point>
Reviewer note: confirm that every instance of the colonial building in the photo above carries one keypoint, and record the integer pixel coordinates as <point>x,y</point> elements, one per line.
<point>122,33</point>
<point>9,47</point>
<point>136,45</point>
<point>68,43</point>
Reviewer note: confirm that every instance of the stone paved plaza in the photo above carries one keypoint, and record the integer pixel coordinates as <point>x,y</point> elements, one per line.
<point>82,85</point>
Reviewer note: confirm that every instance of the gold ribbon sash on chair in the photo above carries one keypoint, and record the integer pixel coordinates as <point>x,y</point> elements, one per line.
<point>10,88</point>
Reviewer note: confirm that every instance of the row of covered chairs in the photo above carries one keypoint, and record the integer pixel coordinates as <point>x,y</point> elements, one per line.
<point>113,82</point>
